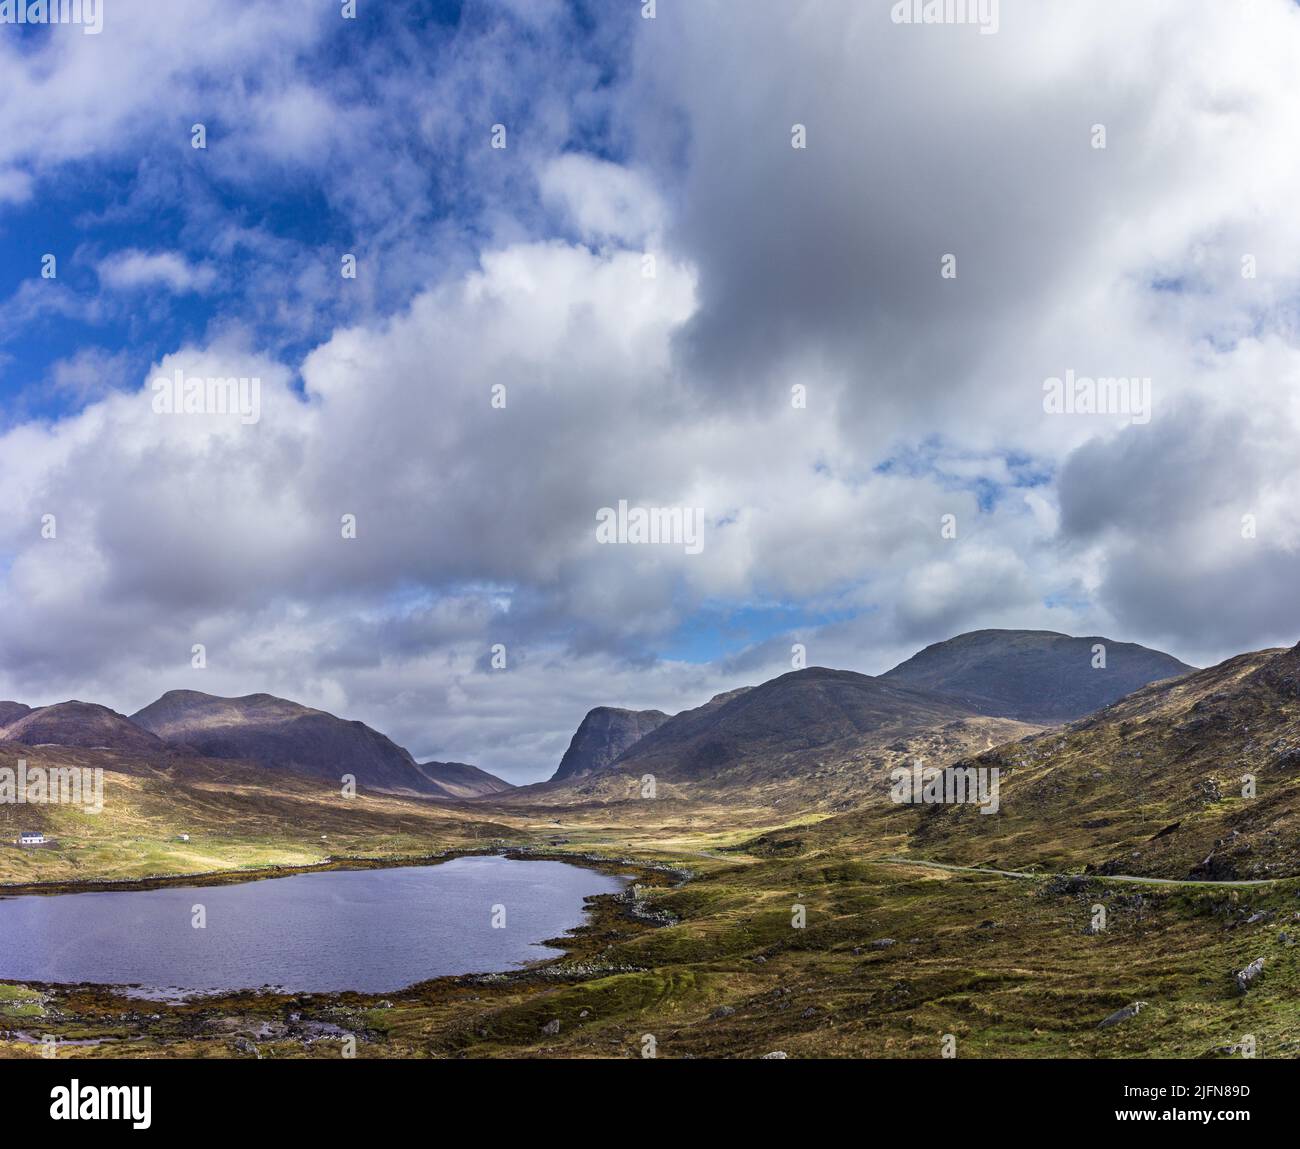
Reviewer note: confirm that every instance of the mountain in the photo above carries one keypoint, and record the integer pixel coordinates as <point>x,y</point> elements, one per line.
<point>235,815</point>
<point>604,734</point>
<point>1154,784</point>
<point>12,711</point>
<point>459,780</point>
<point>84,724</point>
<point>284,735</point>
<point>1033,675</point>
<point>831,732</point>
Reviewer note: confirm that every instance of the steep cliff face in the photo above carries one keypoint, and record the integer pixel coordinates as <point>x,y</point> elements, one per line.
<point>603,735</point>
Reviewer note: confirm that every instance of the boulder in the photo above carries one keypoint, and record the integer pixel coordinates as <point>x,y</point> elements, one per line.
<point>1122,1014</point>
<point>1246,977</point>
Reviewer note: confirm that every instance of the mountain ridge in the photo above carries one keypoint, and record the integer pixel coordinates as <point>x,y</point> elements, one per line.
<point>790,717</point>
<point>280,734</point>
<point>1029,677</point>
<point>461,780</point>
<point>1040,676</point>
<point>1156,783</point>
<point>82,724</point>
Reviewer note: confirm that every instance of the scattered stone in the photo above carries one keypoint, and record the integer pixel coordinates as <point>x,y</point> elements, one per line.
<point>883,943</point>
<point>1123,1014</point>
<point>552,1027</point>
<point>1229,1050</point>
<point>1066,884</point>
<point>779,1054</point>
<point>721,1012</point>
<point>638,908</point>
<point>1287,760</point>
<point>811,1011</point>
<point>584,1014</point>
<point>898,993</point>
<point>1245,977</point>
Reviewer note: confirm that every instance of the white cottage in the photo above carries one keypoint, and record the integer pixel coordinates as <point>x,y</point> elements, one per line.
<point>31,838</point>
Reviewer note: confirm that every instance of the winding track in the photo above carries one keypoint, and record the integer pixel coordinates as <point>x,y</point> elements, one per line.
<point>1093,877</point>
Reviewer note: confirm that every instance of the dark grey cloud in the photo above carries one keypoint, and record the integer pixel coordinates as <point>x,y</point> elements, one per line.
<point>774,267</point>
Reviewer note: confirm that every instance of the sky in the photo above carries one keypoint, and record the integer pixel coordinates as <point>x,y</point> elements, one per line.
<point>836,354</point>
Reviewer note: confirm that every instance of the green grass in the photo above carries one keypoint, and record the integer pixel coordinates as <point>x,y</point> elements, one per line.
<point>20,1003</point>
<point>237,819</point>
<point>1002,964</point>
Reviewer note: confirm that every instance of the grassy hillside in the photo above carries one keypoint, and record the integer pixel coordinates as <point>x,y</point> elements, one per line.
<point>1152,785</point>
<point>759,787</point>
<point>235,815</point>
<point>890,961</point>
<point>891,958</point>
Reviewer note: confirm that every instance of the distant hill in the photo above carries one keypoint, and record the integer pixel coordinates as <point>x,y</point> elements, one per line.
<point>790,725</point>
<point>235,815</point>
<point>459,780</point>
<point>1033,675</point>
<point>284,735</point>
<point>604,734</point>
<point>85,724</point>
<point>11,711</point>
<point>1150,785</point>
<point>835,730</point>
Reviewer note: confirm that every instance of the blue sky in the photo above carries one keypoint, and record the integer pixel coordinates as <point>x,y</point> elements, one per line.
<point>156,193</point>
<point>648,270</point>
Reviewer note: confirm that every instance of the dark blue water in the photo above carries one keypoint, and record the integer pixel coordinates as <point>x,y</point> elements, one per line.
<point>374,931</point>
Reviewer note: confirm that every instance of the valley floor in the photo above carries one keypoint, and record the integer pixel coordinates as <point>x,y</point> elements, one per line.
<point>883,960</point>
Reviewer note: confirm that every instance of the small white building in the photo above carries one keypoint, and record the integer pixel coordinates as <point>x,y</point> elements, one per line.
<point>182,837</point>
<point>31,838</point>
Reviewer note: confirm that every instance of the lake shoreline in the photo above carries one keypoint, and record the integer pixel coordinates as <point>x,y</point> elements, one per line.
<point>262,873</point>
<point>200,1026</point>
<point>124,1025</point>
<point>603,908</point>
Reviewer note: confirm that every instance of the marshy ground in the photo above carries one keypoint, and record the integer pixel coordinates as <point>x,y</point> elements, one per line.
<point>889,960</point>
